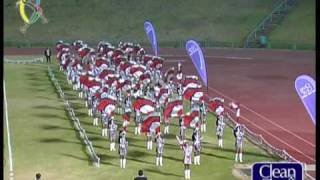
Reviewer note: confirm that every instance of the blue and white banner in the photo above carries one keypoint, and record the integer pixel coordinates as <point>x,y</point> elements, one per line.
<point>196,55</point>
<point>151,35</point>
<point>306,89</point>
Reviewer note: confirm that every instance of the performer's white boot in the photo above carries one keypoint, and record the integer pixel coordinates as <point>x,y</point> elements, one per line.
<point>236,157</point>
<point>124,163</point>
<point>166,130</point>
<point>201,127</point>
<point>121,163</point>
<point>157,161</point>
<point>195,160</point>
<point>150,145</point>
<point>110,146</point>
<point>186,174</point>
<point>135,130</point>
<point>204,127</point>
<point>95,122</point>
<point>86,103</point>
<point>161,161</point>
<point>139,129</point>
<point>104,132</point>
<point>240,157</point>
<point>114,146</point>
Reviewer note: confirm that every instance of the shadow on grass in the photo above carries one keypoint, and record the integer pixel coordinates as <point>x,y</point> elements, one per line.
<point>146,170</point>
<point>172,158</point>
<point>244,152</point>
<point>47,107</point>
<point>53,127</point>
<point>138,160</point>
<point>49,116</point>
<point>217,156</point>
<point>79,158</point>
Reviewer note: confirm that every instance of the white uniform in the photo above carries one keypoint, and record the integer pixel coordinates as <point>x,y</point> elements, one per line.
<point>187,154</point>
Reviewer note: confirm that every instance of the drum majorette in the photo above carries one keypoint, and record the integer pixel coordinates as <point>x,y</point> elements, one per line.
<point>123,148</point>
<point>112,134</point>
<point>238,134</point>
<point>159,140</point>
<point>196,138</point>
<point>220,124</point>
<point>187,156</point>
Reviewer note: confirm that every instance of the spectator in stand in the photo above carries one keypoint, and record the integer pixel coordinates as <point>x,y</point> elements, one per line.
<point>141,176</point>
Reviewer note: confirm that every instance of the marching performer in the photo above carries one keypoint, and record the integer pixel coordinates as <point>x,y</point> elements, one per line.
<point>159,149</point>
<point>112,134</point>
<point>149,140</point>
<point>137,128</point>
<point>196,138</point>
<point>182,131</point>
<point>203,116</point>
<point>187,156</point>
<point>127,112</point>
<point>123,148</point>
<point>219,130</point>
<point>238,134</point>
<point>105,121</point>
<point>179,75</point>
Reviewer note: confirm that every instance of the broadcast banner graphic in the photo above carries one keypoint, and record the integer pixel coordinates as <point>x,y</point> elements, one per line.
<point>196,55</point>
<point>151,34</point>
<point>277,171</point>
<point>306,89</point>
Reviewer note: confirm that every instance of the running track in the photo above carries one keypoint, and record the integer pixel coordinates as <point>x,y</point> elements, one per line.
<point>263,82</point>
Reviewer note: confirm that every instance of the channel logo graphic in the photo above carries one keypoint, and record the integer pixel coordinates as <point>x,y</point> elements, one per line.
<point>277,171</point>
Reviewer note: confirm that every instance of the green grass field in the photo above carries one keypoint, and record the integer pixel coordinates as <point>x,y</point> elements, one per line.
<point>44,140</point>
<point>94,20</point>
<point>298,26</point>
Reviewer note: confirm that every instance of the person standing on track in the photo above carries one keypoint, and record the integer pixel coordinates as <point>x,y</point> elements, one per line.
<point>47,54</point>
<point>238,132</point>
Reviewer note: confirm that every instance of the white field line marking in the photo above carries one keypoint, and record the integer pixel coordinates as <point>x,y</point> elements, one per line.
<point>174,60</point>
<point>265,118</point>
<point>220,57</point>
<point>8,132</point>
<point>312,159</point>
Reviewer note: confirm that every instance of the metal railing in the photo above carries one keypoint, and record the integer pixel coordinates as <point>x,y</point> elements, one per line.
<point>76,121</point>
<point>259,141</point>
<point>281,7</point>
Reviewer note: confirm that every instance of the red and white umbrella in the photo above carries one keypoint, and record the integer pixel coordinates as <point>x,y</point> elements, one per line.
<point>173,109</point>
<point>151,124</point>
<point>190,92</point>
<point>191,119</point>
<point>143,105</point>
<point>107,105</point>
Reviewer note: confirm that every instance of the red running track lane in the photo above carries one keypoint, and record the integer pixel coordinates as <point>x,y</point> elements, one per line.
<point>263,82</point>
